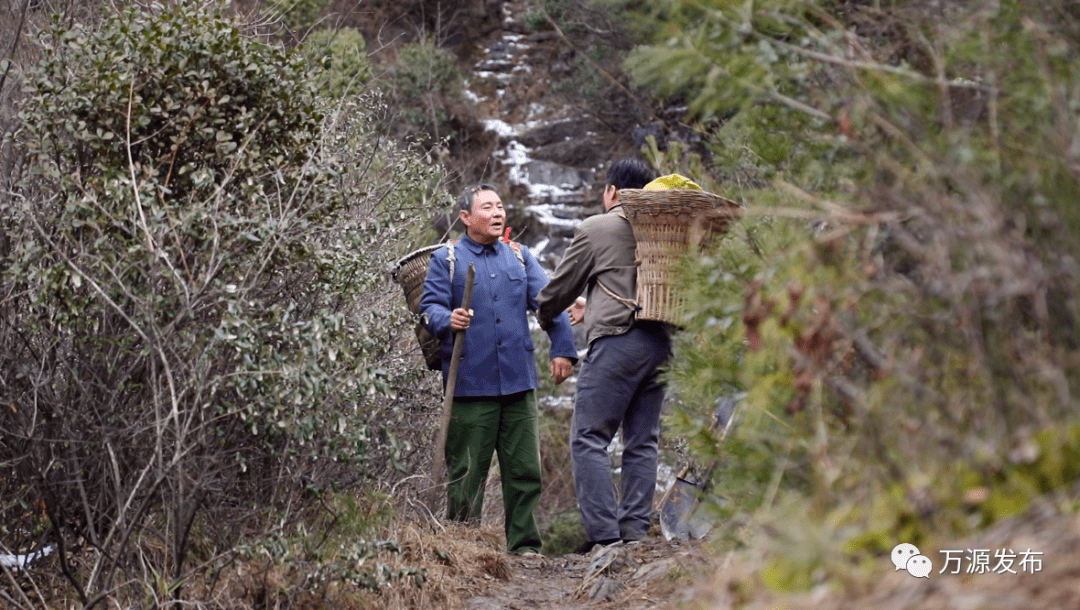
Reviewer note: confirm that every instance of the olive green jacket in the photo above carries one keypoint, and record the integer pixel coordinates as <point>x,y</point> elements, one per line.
<point>602,252</point>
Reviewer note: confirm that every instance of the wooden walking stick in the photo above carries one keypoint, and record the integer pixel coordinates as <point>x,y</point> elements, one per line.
<point>438,468</point>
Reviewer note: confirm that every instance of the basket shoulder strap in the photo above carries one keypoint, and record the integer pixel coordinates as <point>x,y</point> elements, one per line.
<point>629,303</point>
<point>451,259</point>
<point>516,247</point>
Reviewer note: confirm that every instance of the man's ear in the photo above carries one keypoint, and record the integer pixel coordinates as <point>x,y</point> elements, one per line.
<point>465,217</point>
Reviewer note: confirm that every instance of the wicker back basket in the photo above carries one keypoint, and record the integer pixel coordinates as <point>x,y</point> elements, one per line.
<point>410,272</point>
<point>668,224</point>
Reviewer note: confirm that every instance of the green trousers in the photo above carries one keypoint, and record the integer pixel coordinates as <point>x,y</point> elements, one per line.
<point>508,426</point>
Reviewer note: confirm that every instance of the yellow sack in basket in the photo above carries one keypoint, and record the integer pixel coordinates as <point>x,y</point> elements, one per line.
<point>671,181</point>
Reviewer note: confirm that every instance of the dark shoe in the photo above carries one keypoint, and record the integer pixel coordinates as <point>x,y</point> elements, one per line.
<point>589,544</point>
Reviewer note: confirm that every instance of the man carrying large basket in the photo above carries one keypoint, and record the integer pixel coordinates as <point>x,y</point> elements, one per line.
<point>619,383</point>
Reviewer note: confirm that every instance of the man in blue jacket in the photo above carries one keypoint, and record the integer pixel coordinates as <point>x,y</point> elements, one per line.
<point>494,407</point>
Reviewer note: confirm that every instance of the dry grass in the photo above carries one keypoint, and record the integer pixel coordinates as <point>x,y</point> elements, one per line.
<point>457,561</point>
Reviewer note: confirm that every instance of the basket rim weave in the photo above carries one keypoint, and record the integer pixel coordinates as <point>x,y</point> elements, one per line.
<point>674,201</point>
<point>397,267</point>
<point>668,224</point>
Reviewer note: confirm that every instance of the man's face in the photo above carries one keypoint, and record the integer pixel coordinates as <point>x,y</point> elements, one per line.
<point>484,224</point>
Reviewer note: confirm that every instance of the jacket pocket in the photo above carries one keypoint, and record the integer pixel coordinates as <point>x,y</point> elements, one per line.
<point>517,284</point>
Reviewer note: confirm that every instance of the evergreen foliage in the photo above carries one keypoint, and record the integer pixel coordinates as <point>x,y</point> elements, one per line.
<point>899,304</point>
<point>423,82</point>
<point>342,54</point>
<point>297,18</point>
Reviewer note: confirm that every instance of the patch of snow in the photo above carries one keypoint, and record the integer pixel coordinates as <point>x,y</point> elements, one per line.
<point>516,154</point>
<point>19,562</point>
<point>539,247</point>
<point>502,128</point>
<point>500,76</point>
<point>544,211</point>
<point>516,157</point>
<point>556,402</point>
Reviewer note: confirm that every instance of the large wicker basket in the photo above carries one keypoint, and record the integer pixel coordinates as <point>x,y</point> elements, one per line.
<point>410,272</point>
<point>669,224</point>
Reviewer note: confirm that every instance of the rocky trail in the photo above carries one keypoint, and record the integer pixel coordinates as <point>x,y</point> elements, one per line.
<point>634,576</point>
<point>658,574</point>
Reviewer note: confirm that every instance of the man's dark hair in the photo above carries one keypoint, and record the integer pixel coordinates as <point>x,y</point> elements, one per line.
<point>466,201</point>
<point>629,174</point>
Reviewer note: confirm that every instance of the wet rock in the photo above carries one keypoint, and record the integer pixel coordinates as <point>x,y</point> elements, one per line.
<point>607,559</point>
<point>578,152</point>
<point>651,571</point>
<point>552,174</point>
<point>605,589</point>
<point>543,36</point>
<point>559,132</point>
<point>495,66</point>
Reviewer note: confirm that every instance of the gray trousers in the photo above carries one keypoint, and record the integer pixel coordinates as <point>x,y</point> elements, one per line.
<point>619,385</point>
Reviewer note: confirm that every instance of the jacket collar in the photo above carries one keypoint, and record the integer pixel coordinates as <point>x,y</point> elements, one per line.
<point>474,246</point>
<point>617,210</point>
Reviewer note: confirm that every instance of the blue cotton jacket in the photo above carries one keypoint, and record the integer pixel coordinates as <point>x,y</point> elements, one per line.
<point>497,358</point>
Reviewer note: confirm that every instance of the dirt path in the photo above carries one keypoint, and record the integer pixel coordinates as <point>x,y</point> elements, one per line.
<point>468,567</point>
<point>634,577</point>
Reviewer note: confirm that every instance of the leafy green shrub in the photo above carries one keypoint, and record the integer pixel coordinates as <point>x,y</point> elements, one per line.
<point>196,291</point>
<point>297,16</point>
<point>534,19</point>
<point>422,83</point>
<point>342,54</point>
<point>902,296</point>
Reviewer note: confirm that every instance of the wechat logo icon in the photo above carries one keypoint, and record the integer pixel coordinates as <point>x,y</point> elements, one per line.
<point>907,557</point>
